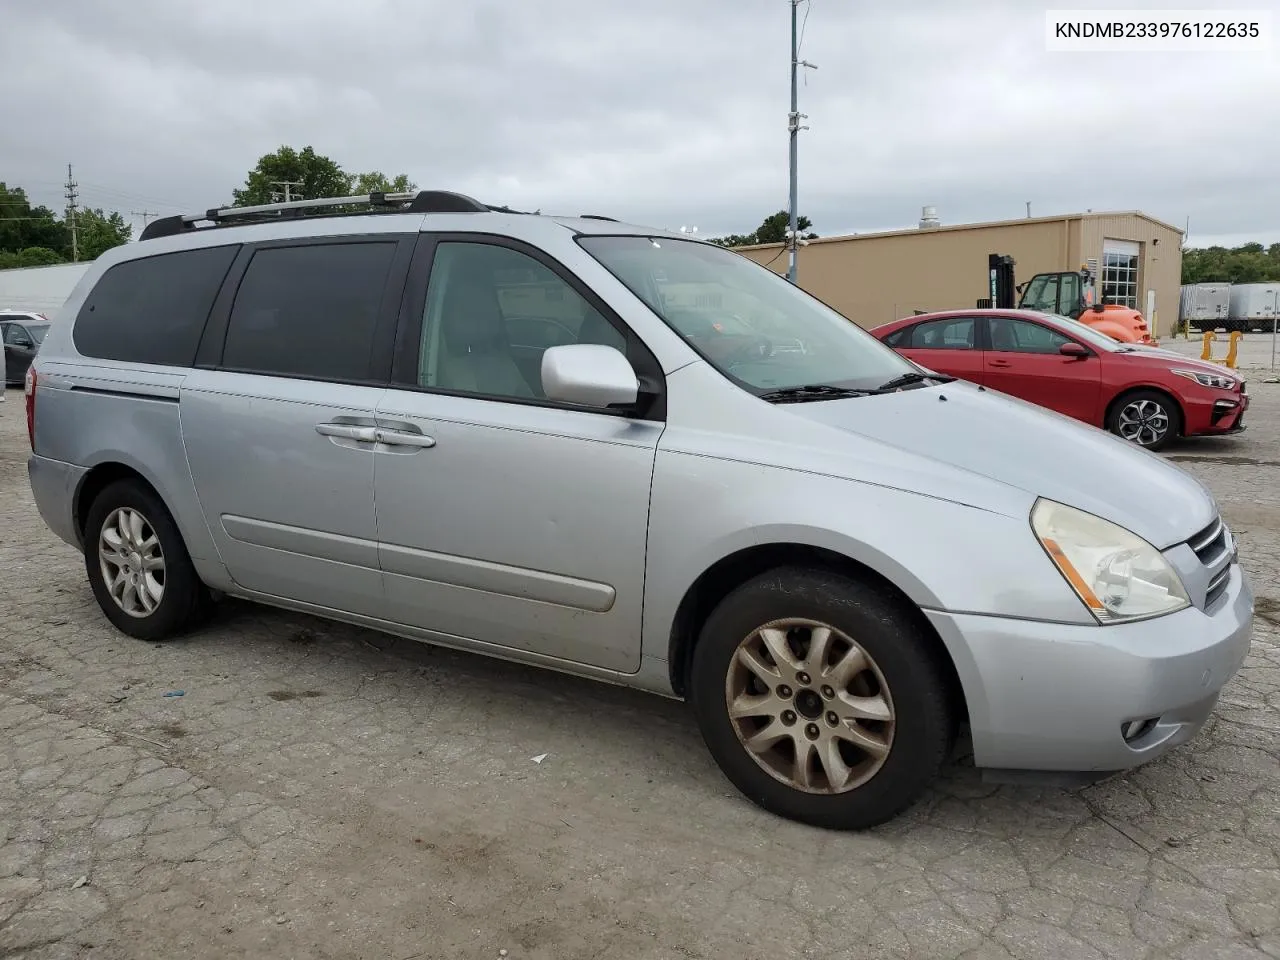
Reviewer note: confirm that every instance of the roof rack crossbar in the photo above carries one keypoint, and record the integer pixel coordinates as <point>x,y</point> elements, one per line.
<point>423,201</point>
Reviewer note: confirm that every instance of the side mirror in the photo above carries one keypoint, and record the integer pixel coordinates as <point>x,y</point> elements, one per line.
<point>588,374</point>
<point>1097,308</point>
<point>1074,350</point>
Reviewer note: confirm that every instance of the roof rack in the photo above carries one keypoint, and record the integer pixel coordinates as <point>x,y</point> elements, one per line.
<point>597,216</point>
<point>423,201</point>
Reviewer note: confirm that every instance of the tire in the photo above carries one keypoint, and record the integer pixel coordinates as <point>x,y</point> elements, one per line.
<point>1139,405</point>
<point>901,677</point>
<point>182,600</point>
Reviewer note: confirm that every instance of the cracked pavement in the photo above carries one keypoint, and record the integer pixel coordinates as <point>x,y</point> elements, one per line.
<point>323,791</point>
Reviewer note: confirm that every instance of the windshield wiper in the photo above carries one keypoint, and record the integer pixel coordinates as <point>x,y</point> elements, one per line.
<point>907,379</point>
<point>812,391</point>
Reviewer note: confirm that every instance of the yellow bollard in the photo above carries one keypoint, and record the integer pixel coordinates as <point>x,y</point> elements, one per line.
<point>1209,337</point>
<point>1229,360</point>
<point>1236,337</point>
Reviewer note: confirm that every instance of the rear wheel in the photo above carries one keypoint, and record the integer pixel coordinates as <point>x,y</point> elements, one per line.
<point>821,699</point>
<point>138,566</point>
<point>1147,418</point>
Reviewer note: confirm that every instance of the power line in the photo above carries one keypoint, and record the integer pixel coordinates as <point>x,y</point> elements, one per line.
<point>105,190</point>
<point>71,215</point>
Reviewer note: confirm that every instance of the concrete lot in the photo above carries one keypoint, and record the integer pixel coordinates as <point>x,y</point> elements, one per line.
<point>321,791</point>
<point>1253,352</point>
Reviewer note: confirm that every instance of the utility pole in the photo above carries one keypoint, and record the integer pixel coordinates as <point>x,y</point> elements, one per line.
<point>1028,209</point>
<point>794,127</point>
<point>146,216</point>
<point>71,215</point>
<point>285,185</point>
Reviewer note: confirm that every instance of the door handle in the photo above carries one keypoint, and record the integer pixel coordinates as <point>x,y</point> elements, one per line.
<point>403,438</point>
<point>347,431</point>
<point>1000,363</point>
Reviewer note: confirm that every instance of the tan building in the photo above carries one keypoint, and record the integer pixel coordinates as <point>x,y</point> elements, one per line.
<point>873,278</point>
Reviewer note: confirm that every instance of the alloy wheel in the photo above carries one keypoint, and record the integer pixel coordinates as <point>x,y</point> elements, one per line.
<point>810,706</point>
<point>132,562</point>
<point>1143,422</point>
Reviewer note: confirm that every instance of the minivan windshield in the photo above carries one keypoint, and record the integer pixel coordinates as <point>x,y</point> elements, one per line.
<point>752,325</point>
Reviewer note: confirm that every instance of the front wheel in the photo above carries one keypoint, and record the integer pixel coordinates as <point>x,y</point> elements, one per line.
<point>821,699</point>
<point>1147,418</point>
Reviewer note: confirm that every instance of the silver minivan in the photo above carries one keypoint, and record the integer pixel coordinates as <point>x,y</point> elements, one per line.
<point>597,448</point>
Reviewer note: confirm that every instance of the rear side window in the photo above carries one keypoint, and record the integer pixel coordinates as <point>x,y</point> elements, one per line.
<point>951,334</point>
<point>309,311</point>
<point>152,310</point>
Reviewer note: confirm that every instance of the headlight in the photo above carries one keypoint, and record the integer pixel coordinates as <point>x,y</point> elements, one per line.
<point>1117,574</point>
<point>1208,379</point>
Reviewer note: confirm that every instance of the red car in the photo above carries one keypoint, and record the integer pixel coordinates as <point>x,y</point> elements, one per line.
<point>1143,394</point>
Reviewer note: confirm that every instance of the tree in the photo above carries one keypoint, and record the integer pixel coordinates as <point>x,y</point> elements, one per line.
<point>318,175</point>
<point>773,229</point>
<point>377,182</point>
<point>23,226</point>
<point>734,240</point>
<point>98,232</point>
<point>1248,263</point>
<point>30,257</point>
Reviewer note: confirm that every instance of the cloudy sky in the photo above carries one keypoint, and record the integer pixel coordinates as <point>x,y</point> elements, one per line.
<point>669,112</point>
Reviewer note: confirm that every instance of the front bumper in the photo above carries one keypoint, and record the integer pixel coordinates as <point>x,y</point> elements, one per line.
<point>1215,413</point>
<point>1056,697</point>
<point>54,485</point>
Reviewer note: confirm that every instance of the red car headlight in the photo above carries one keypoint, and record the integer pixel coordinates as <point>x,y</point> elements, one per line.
<point>1219,380</point>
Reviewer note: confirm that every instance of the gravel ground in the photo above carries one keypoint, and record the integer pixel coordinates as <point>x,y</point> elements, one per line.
<point>323,791</point>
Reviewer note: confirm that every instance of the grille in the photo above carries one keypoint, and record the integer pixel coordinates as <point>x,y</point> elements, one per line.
<point>1210,543</point>
<point>1216,586</point>
<point>1213,546</point>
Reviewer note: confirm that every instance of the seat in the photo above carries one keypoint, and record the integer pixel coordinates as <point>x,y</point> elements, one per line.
<point>1002,336</point>
<point>475,352</point>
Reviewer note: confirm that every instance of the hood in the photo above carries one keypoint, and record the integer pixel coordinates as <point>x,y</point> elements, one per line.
<point>1033,449</point>
<point>1171,358</point>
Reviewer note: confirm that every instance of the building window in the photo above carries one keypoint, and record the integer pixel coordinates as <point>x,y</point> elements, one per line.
<point>1120,275</point>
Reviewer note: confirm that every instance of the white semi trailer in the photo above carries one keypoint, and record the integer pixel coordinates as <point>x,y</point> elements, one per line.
<point>1204,306</point>
<point>1254,306</point>
<point>39,289</point>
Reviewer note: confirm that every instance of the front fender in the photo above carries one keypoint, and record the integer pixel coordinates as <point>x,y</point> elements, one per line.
<point>943,555</point>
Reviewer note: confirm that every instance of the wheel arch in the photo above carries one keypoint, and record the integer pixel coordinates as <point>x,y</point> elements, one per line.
<point>734,569</point>
<point>107,471</point>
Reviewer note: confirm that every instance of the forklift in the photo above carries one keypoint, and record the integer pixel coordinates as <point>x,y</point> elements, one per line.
<point>1066,293</point>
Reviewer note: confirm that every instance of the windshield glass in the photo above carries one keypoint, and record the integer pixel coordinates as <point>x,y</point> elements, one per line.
<point>38,332</point>
<point>751,324</point>
<point>1086,333</point>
